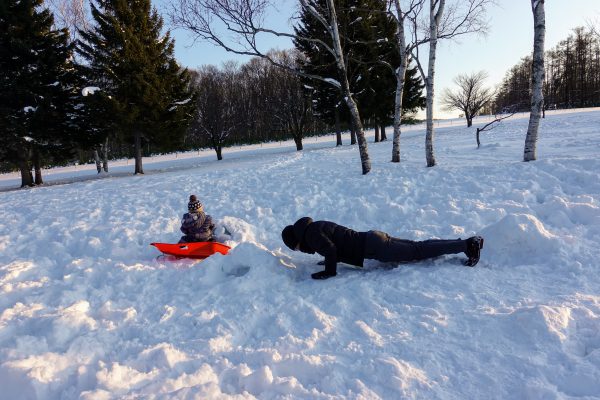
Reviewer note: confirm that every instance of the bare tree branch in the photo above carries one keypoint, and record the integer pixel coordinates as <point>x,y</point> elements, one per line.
<point>235,25</point>
<point>490,125</point>
<point>71,14</point>
<point>242,21</point>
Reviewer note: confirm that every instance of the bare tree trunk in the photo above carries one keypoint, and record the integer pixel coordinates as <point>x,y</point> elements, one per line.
<point>477,136</point>
<point>37,166</point>
<point>469,122</point>
<point>360,133</point>
<point>338,130</point>
<point>376,133</point>
<point>544,110</point>
<point>383,135</point>
<point>139,169</point>
<point>105,155</point>
<point>298,141</point>
<point>98,161</point>
<point>25,168</point>
<point>345,86</point>
<point>400,79</point>
<point>352,134</point>
<point>537,80</point>
<point>219,151</point>
<point>434,23</point>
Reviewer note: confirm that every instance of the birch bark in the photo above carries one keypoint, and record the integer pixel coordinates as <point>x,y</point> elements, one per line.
<point>435,17</point>
<point>400,78</point>
<point>537,80</point>
<point>345,86</point>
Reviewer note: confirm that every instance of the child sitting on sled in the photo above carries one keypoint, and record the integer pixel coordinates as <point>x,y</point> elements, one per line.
<point>196,225</point>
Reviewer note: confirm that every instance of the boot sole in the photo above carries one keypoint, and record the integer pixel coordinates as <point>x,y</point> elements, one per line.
<point>467,263</point>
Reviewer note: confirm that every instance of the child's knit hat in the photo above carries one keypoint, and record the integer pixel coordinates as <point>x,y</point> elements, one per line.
<point>194,204</point>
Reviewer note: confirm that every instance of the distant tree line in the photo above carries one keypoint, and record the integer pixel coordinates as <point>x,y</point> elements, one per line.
<point>104,84</point>
<point>350,50</point>
<point>113,88</point>
<point>263,101</point>
<point>572,76</point>
<point>248,103</point>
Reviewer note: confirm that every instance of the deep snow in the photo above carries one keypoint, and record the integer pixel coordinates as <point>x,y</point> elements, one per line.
<point>86,311</point>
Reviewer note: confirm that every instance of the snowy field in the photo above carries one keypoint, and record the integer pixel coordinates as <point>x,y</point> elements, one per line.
<point>88,312</point>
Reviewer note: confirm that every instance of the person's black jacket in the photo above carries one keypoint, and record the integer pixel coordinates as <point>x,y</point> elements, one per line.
<point>334,242</point>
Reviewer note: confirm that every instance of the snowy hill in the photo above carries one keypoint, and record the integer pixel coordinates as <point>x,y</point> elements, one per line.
<point>86,311</point>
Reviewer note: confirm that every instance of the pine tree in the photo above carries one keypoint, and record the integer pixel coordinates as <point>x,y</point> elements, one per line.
<point>37,90</point>
<point>368,40</point>
<point>132,62</point>
<point>327,100</point>
<point>412,96</point>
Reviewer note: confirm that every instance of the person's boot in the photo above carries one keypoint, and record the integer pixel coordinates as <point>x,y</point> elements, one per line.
<point>474,246</point>
<point>323,274</point>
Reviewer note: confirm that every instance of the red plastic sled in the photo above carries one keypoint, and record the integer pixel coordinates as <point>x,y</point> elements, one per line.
<point>200,250</point>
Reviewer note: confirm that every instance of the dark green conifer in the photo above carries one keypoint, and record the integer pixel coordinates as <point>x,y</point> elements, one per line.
<point>37,88</point>
<point>142,86</point>
<point>369,43</point>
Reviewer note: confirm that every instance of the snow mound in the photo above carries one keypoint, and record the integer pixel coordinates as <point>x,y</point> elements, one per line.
<point>520,237</point>
<point>562,212</point>
<point>250,260</point>
<point>240,231</point>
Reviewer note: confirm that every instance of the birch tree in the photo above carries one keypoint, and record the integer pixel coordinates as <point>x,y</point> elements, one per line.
<point>400,14</point>
<point>537,80</point>
<point>236,25</point>
<point>443,22</point>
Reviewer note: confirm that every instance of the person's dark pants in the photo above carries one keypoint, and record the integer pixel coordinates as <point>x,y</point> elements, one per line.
<point>383,247</point>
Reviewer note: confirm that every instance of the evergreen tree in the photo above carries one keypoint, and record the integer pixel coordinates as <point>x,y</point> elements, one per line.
<point>37,88</point>
<point>142,86</point>
<point>327,101</point>
<point>412,96</point>
<point>368,40</point>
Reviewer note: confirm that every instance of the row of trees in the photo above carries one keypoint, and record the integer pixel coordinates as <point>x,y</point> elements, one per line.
<point>254,102</point>
<point>38,86</point>
<point>129,88</point>
<point>345,45</point>
<point>119,89</point>
<point>572,75</point>
<point>327,33</point>
<point>260,102</point>
<point>351,65</point>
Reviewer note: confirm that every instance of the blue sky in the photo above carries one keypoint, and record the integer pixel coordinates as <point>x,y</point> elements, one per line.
<point>509,39</point>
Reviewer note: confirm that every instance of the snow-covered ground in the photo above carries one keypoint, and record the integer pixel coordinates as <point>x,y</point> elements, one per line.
<point>87,312</point>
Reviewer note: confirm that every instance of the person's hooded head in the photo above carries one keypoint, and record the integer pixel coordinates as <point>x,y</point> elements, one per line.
<point>293,235</point>
<point>289,237</point>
